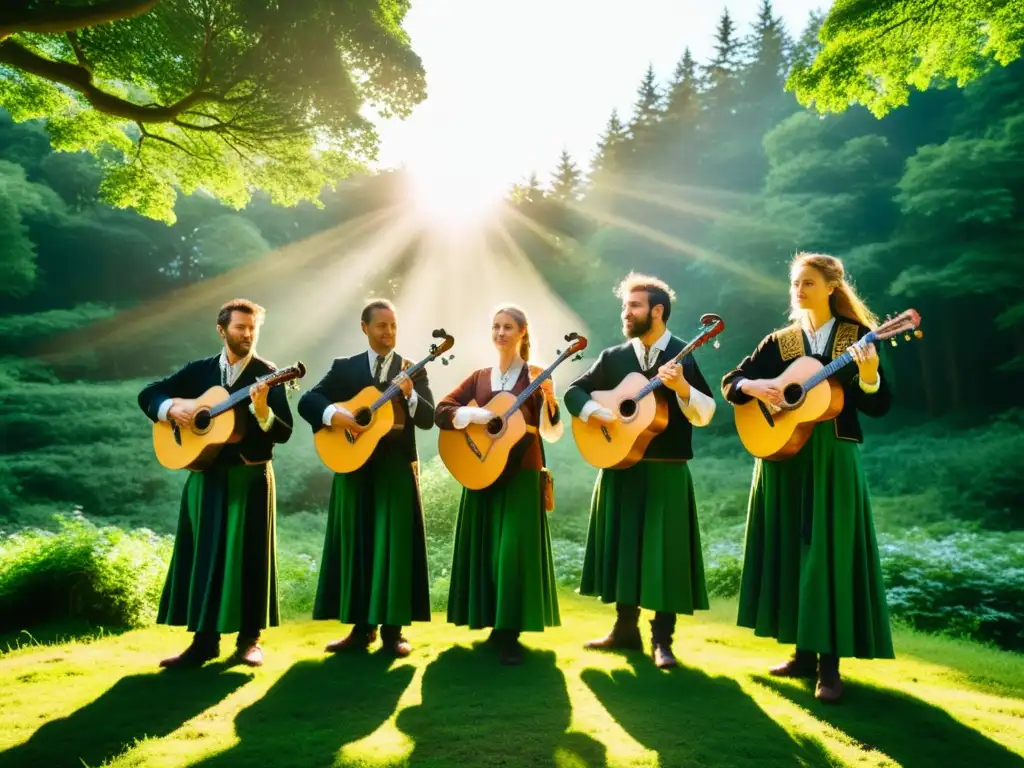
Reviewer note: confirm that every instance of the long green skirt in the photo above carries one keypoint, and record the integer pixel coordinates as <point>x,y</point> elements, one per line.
<point>811,573</point>
<point>503,573</point>
<point>643,544</point>
<point>223,573</point>
<point>374,564</point>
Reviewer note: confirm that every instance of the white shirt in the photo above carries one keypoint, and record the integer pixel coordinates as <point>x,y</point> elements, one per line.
<point>229,374</point>
<point>503,383</point>
<point>698,408</point>
<point>371,357</point>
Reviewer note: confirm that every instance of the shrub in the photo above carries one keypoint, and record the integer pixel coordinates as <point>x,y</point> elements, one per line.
<point>106,576</point>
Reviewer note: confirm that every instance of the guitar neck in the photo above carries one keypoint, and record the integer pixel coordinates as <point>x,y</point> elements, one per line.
<point>230,402</point>
<point>840,362</point>
<point>654,383</point>
<point>393,389</point>
<point>528,392</point>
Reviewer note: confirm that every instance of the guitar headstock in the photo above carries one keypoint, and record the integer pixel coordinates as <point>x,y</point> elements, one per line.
<point>579,343</point>
<point>711,326</point>
<point>282,375</point>
<point>906,322</point>
<point>438,350</point>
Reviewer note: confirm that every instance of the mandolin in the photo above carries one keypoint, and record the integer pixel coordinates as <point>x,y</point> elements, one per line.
<point>641,415</point>
<point>478,455</point>
<point>809,394</point>
<point>214,424</point>
<point>343,450</point>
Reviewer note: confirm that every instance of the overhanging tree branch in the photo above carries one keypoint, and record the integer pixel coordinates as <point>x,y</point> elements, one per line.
<point>68,18</point>
<point>80,79</point>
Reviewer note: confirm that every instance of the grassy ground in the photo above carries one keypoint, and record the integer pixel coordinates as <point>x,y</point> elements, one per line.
<point>942,702</point>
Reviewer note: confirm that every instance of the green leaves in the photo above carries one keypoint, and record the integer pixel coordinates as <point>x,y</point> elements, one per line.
<point>223,95</point>
<point>875,51</point>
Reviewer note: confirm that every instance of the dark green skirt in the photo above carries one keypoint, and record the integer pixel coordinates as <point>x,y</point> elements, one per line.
<point>643,545</point>
<point>811,572</point>
<point>223,573</point>
<point>374,564</point>
<point>503,573</point>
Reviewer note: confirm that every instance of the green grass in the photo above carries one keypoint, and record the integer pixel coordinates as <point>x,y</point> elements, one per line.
<point>942,702</point>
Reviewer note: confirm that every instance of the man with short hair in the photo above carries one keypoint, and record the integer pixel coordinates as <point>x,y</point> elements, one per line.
<point>374,566</point>
<point>643,544</point>
<point>223,572</point>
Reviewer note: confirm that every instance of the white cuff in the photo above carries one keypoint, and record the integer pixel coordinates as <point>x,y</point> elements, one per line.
<point>466,415</point>
<point>165,406</point>
<point>265,425</point>
<point>588,408</point>
<point>329,412</point>
<point>414,400</point>
<point>698,408</point>
<point>870,389</point>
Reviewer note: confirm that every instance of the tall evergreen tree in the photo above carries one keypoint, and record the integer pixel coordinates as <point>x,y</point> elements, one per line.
<point>610,149</point>
<point>643,127</point>
<point>721,74</point>
<point>681,122</point>
<point>567,179</point>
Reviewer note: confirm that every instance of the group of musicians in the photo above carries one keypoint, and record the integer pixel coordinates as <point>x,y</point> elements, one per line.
<point>811,574</point>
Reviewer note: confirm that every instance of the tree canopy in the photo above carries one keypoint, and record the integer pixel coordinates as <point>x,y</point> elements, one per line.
<point>875,51</point>
<point>223,95</point>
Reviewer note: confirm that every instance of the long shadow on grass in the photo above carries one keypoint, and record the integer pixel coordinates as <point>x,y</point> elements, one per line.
<point>912,732</point>
<point>691,718</point>
<point>135,707</point>
<point>315,709</point>
<point>476,712</point>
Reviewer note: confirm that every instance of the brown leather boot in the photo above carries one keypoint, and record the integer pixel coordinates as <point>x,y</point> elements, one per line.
<point>249,653</point>
<point>511,653</point>
<point>391,639</point>
<point>204,648</point>
<point>662,627</point>
<point>830,685</point>
<point>625,634</point>
<point>359,639</point>
<point>803,664</point>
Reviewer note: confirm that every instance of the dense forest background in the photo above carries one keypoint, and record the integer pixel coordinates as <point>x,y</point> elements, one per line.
<point>713,182</point>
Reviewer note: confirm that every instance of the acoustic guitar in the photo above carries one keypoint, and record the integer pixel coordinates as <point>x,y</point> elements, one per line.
<point>478,455</point>
<point>809,395</point>
<point>343,450</point>
<point>641,415</point>
<point>214,424</point>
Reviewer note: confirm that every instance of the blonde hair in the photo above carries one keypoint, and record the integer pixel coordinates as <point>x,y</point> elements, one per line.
<point>519,316</point>
<point>844,300</point>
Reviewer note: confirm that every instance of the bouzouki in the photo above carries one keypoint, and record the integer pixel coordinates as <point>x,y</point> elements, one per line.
<point>809,395</point>
<point>343,450</point>
<point>478,455</point>
<point>641,415</point>
<point>213,425</point>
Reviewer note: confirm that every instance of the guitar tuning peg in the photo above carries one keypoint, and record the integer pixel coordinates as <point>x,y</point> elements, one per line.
<point>716,345</point>
<point>918,333</point>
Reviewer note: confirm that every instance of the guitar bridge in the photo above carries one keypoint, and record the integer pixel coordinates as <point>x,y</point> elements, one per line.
<point>766,413</point>
<point>176,431</point>
<point>473,448</point>
<point>350,437</point>
<point>604,431</point>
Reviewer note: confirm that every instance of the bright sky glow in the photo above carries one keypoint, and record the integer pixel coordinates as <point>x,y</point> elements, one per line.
<point>509,84</point>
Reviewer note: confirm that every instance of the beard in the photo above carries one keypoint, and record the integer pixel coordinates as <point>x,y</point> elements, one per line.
<point>238,347</point>
<point>639,327</point>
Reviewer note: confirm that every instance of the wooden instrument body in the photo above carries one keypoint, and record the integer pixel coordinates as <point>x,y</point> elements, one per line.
<point>779,436</point>
<point>478,455</point>
<point>622,443</point>
<point>201,442</point>
<point>344,451</point>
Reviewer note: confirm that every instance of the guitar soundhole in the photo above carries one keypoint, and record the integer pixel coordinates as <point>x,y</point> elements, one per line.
<point>363,417</point>
<point>627,409</point>
<point>494,427</point>
<point>793,395</point>
<point>201,421</point>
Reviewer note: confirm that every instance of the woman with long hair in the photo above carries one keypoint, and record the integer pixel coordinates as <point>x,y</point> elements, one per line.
<point>811,571</point>
<point>503,573</point>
